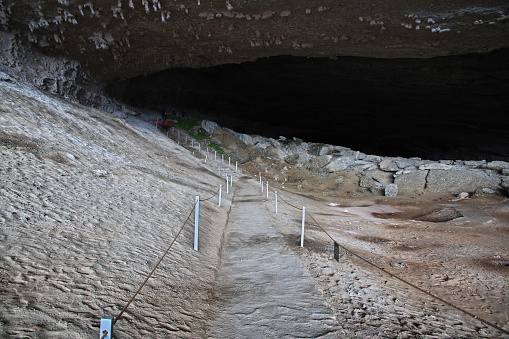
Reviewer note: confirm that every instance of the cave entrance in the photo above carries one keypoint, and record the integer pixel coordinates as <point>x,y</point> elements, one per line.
<point>438,108</point>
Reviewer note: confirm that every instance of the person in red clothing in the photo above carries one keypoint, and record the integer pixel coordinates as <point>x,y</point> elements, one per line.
<point>164,124</point>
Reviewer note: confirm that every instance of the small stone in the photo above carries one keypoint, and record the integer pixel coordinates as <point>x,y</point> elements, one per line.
<point>391,190</point>
<point>463,195</point>
<point>487,190</point>
<point>285,14</point>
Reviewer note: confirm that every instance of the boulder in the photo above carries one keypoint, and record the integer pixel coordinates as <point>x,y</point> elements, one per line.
<point>411,182</point>
<point>232,145</point>
<point>435,166</point>
<point>457,181</point>
<point>375,180</point>
<point>292,159</point>
<point>341,163</point>
<point>497,165</point>
<point>388,165</point>
<point>391,190</point>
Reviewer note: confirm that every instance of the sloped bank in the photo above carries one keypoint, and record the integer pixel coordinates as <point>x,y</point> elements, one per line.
<point>376,174</point>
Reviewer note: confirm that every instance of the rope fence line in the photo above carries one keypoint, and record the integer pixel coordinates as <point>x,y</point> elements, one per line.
<point>107,323</point>
<point>486,322</point>
<point>155,267</point>
<point>217,192</point>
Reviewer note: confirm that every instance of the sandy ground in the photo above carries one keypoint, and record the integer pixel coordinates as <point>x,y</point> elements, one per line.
<point>464,261</point>
<point>89,201</point>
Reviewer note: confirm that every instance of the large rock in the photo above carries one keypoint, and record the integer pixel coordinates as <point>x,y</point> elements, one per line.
<point>388,165</point>
<point>375,180</point>
<point>457,181</point>
<point>498,165</point>
<point>235,147</point>
<point>341,163</point>
<point>411,182</point>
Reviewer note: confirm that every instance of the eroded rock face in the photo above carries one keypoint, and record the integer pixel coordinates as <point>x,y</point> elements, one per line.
<point>125,38</point>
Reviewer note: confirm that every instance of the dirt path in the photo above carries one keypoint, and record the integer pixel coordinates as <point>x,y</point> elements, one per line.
<point>263,289</point>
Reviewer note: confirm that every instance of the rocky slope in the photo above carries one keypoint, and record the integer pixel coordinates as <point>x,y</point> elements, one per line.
<point>371,173</point>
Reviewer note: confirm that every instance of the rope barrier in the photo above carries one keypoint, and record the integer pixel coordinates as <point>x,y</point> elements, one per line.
<point>155,267</point>
<point>217,192</point>
<point>399,278</point>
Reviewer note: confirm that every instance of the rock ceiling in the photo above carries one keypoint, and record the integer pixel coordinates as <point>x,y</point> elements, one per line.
<point>125,38</point>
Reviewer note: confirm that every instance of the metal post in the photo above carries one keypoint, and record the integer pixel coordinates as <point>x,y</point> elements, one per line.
<point>222,157</point>
<point>260,174</point>
<point>227,186</point>
<point>192,143</point>
<point>220,191</point>
<point>267,190</point>
<point>275,193</point>
<point>206,158</point>
<point>262,187</point>
<point>229,162</point>
<point>199,147</point>
<point>196,222</point>
<point>303,222</point>
<point>231,180</point>
<point>235,166</point>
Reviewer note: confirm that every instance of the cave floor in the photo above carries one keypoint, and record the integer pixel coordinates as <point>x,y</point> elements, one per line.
<point>89,201</point>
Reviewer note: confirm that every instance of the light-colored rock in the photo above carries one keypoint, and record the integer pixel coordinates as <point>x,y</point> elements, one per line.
<point>391,190</point>
<point>497,165</point>
<point>435,166</point>
<point>457,181</point>
<point>388,165</point>
<point>489,191</point>
<point>463,195</point>
<point>341,163</point>
<point>411,182</point>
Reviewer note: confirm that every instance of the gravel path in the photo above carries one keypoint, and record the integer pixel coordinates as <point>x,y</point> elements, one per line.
<point>263,289</point>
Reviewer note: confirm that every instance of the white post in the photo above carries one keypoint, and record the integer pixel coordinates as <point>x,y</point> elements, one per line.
<point>199,147</point>
<point>206,158</point>
<point>192,142</point>
<point>207,151</point>
<point>262,187</point>
<point>260,174</point>
<point>235,166</point>
<point>303,222</point>
<point>227,186</point>
<point>267,190</point>
<point>276,200</point>
<point>222,157</point>
<point>229,162</point>
<point>231,180</point>
<point>196,222</point>
<point>220,191</point>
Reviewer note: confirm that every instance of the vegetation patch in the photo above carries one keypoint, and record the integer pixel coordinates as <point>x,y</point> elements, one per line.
<point>189,125</point>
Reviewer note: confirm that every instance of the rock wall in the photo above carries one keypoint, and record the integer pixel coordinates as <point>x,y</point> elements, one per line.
<point>412,176</point>
<point>125,38</point>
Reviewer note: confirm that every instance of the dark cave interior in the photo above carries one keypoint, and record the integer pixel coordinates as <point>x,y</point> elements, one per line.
<point>443,108</point>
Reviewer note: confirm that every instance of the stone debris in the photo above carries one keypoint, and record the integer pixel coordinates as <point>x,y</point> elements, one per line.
<point>412,176</point>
